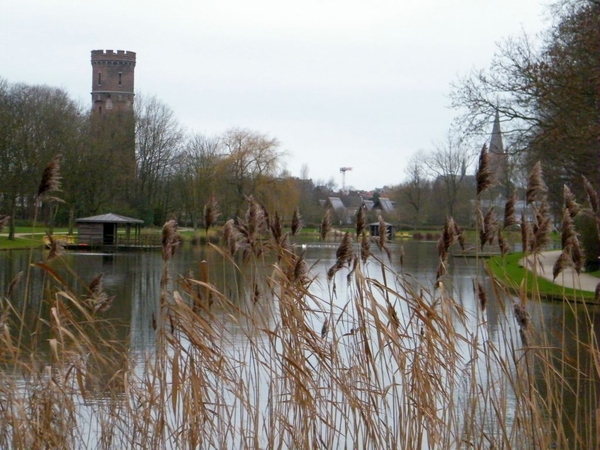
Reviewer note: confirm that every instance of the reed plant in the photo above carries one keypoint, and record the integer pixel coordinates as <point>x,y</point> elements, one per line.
<point>296,361</point>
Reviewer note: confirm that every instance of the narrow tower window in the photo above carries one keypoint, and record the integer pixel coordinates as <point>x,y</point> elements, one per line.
<point>120,74</point>
<point>99,78</point>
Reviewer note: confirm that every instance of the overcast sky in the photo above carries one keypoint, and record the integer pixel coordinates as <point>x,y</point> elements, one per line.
<point>361,84</point>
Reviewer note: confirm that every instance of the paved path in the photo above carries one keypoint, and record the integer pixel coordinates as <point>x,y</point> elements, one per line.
<point>567,278</point>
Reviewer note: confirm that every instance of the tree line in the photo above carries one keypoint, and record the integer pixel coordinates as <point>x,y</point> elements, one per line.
<point>142,164</point>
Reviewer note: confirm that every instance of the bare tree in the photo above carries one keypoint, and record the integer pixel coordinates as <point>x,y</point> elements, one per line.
<point>448,165</point>
<point>415,190</point>
<point>196,176</point>
<point>158,140</point>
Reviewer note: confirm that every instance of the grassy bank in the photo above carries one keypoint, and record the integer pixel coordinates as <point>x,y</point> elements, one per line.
<point>509,272</point>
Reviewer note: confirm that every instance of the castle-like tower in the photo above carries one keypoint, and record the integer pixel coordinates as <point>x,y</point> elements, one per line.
<point>112,81</point>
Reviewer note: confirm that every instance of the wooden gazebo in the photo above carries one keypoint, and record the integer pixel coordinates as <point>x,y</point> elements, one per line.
<point>103,229</point>
<point>390,230</point>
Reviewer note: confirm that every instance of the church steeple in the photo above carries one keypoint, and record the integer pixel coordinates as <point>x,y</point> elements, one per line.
<point>496,145</point>
<point>498,156</point>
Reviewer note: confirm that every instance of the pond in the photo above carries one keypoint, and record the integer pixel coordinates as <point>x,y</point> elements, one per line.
<point>462,390</point>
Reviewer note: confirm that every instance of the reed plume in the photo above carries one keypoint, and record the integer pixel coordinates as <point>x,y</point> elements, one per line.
<point>50,181</point>
<point>525,233</point>
<point>326,224</point>
<point>210,212</point>
<point>460,236</point>
<point>569,202</point>
<point>480,294</point>
<point>296,222</point>
<point>361,221</point>
<point>592,196</point>
<point>562,262</point>
<point>484,176</point>
<point>3,221</point>
<point>365,247</point>
<point>325,328</point>
<point>56,247</point>
<point>382,241</point>
<point>536,186</point>
<point>487,228</point>
<point>446,240</point>
<point>568,230</point>
<point>99,300</point>
<point>275,227</point>
<point>13,283</point>
<point>170,239</point>
<point>509,211</point>
<point>502,243</point>
<point>255,219</point>
<point>541,228</point>
<point>230,237</point>
<point>343,254</point>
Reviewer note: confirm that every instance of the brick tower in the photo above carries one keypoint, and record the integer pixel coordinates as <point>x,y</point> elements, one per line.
<point>112,81</point>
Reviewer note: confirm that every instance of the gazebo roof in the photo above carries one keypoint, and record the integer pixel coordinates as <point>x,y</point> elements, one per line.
<point>109,218</point>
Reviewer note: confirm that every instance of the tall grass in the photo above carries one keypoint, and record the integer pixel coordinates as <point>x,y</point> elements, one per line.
<point>386,362</point>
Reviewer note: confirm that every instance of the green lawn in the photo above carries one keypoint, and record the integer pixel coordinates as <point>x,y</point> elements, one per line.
<point>509,272</point>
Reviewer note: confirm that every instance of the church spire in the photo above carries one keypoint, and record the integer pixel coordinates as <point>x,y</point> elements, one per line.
<point>496,145</point>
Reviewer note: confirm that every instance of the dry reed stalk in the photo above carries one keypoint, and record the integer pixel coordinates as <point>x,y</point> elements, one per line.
<point>509,211</point>
<point>296,222</point>
<point>536,187</point>
<point>484,174</point>
<point>50,181</point>
<point>326,224</point>
<point>210,212</point>
<point>13,283</point>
